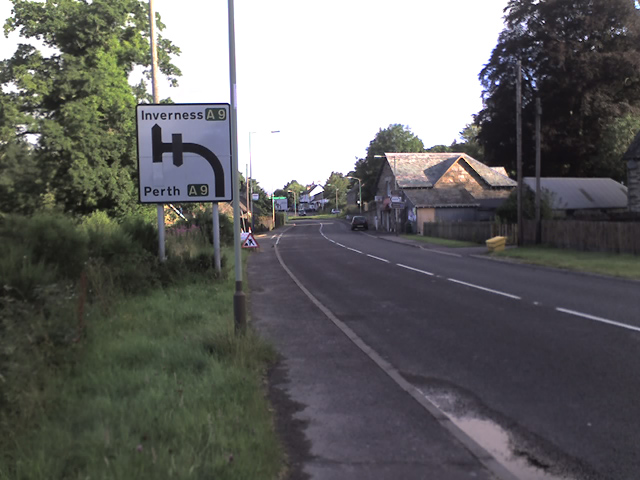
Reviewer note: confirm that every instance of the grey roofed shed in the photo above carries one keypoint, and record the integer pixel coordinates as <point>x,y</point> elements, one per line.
<point>582,193</point>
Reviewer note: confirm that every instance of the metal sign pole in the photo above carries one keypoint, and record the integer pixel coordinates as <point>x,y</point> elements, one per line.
<point>216,238</point>
<point>156,99</point>
<point>239,299</point>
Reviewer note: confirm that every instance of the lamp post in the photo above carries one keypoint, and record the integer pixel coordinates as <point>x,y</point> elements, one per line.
<point>359,191</point>
<point>251,178</point>
<point>295,212</point>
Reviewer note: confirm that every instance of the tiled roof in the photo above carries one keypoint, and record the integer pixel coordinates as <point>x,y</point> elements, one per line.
<point>415,170</point>
<point>433,197</point>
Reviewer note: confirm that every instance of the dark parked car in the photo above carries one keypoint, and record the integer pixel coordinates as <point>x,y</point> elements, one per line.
<point>359,222</point>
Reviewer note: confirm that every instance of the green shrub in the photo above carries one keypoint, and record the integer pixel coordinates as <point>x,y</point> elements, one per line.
<point>55,240</point>
<point>143,232</point>
<point>204,220</point>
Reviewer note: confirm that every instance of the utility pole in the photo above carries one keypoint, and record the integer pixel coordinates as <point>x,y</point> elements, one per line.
<point>538,169</point>
<point>519,150</point>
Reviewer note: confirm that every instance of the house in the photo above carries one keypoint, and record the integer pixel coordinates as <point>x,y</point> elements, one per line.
<point>632,158</point>
<point>414,188</point>
<point>581,196</point>
<point>317,200</point>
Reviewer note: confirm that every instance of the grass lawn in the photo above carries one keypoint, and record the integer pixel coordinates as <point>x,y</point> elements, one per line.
<point>441,241</point>
<point>324,216</point>
<point>626,266</point>
<point>162,388</point>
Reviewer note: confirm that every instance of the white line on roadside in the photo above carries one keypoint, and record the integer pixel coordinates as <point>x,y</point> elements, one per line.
<point>598,319</point>
<point>441,252</point>
<point>483,455</point>
<point>415,269</point>
<point>353,250</point>
<point>497,292</point>
<point>378,258</point>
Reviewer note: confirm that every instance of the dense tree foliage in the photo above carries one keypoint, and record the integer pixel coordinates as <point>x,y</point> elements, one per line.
<point>67,119</point>
<point>469,144</point>
<point>336,183</point>
<point>394,139</point>
<point>582,58</point>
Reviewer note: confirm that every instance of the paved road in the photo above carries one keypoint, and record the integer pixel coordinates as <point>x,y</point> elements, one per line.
<point>540,367</point>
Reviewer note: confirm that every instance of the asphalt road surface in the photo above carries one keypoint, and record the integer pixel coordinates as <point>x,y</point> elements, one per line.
<point>540,367</point>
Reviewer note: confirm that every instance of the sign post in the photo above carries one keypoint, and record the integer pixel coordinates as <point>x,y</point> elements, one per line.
<point>184,155</point>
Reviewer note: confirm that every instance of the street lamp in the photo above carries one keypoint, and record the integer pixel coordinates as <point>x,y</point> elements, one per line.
<point>251,178</point>
<point>359,191</point>
<point>295,212</point>
<point>336,187</point>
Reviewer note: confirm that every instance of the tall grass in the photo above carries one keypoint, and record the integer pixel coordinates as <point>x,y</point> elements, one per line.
<point>113,365</point>
<point>162,389</point>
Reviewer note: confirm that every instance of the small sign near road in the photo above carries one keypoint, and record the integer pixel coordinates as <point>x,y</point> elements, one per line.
<point>184,153</point>
<point>398,205</point>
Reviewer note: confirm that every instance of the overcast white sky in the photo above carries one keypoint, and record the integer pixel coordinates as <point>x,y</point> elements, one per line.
<point>329,74</point>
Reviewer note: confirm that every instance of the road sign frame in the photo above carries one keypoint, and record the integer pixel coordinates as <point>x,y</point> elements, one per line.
<point>181,146</point>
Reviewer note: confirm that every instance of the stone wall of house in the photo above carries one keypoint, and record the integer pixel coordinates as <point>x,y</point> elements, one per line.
<point>633,185</point>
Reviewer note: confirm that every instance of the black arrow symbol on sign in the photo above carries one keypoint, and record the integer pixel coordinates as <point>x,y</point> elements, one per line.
<point>158,148</point>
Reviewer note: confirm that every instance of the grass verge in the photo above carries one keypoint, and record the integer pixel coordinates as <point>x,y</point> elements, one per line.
<point>445,242</point>
<point>617,265</point>
<point>160,388</point>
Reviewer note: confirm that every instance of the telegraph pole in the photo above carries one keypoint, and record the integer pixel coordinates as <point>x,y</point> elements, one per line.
<point>538,169</point>
<point>519,150</point>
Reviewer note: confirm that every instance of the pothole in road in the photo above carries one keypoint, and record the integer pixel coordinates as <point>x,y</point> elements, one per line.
<point>519,455</point>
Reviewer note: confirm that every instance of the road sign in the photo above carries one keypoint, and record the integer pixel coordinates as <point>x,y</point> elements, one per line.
<point>255,196</point>
<point>398,205</point>
<point>396,199</point>
<point>250,242</point>
<point>184,153</point>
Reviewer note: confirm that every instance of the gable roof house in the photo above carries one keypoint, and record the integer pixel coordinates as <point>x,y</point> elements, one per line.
<point>438,187</point>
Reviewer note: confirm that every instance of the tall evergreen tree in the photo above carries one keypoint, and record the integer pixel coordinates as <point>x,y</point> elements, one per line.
<point>582,57</point>
<point>76,104</point>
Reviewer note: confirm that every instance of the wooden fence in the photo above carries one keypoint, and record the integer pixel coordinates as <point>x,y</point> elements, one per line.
<point>614,237</point>
<point>477,232</point>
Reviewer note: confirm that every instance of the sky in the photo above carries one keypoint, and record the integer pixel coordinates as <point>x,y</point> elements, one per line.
<point>328,75</point>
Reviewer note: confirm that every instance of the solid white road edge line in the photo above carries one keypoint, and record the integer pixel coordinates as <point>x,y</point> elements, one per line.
<point>598,319</point>
<point>378,258</point>
<point>415,269</point>
<point>441,252</point>
<point>483,455</point>
<point>497,292</point>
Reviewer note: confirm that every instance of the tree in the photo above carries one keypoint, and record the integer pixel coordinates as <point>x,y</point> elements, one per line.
<point>394,139</point>
<point>340,183</point>
<point>293,190</point>
<point>76,104</point>
<point>582,59</point>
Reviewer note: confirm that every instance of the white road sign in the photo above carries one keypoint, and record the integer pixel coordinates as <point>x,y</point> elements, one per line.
<point>184,153</point>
